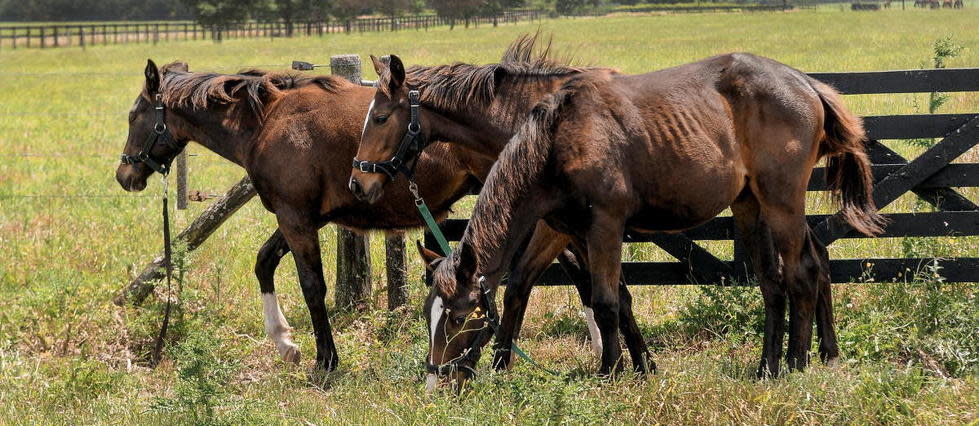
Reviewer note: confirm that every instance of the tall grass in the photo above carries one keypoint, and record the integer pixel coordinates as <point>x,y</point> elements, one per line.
<point>71,238</point>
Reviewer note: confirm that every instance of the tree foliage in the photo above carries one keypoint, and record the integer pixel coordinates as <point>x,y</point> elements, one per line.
<point>75,10</point>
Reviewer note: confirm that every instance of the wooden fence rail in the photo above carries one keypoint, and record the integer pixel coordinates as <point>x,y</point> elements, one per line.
<point>82,35</point>
<point>930,176</point>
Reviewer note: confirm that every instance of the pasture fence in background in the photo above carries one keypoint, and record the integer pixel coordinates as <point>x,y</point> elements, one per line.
<point>931,176</point>
<point>81,35</point>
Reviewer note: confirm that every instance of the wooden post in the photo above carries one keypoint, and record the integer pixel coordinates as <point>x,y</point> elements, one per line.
<point>353,251</point>
<point>195,234</point>
<point>182,180</point>
<point>396,270</point>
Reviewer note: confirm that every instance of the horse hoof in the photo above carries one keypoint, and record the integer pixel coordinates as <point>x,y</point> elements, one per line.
<point>832,362</point>
<point>291,354</point>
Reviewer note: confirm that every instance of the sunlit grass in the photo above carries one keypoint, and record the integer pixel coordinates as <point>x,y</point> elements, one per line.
<point>68,355</point>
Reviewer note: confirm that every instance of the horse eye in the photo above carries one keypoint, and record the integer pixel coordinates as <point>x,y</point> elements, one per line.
<point>459,320</point>
<point>380,119</point>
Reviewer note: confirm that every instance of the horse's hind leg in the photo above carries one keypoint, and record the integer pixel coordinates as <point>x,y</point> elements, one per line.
<point>801,275</point>
<point>571,262</point>
<point>757,237</point>
<point>276,326</point>
<point>829,351</point>
<point>642,359</point>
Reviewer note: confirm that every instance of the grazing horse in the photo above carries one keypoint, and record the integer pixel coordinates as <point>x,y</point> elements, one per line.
<point>594,152</point>
<point>295,136</point>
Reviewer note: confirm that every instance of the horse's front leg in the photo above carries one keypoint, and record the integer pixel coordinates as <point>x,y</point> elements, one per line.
<point>302,235</point>
<point>544,246</point>
<point>604,242</point>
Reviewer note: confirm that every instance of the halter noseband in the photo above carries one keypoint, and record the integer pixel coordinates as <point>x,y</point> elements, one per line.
<point>160,133</point>
<point>412,144</point>
<point>472,353</point>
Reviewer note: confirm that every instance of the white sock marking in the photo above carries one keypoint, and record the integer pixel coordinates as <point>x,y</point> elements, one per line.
<point>278,328</point>
<point>596,336</point>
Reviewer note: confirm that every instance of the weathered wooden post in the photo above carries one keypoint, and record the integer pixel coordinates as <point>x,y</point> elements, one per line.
<point>195,234</point>
<point>353,251</point>
<point>396,269</point>
<point>182,180</point>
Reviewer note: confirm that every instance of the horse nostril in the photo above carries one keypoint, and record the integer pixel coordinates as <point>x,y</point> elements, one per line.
<point>355,187</point>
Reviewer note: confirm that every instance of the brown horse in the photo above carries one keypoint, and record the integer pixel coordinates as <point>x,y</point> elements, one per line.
<point>595,152</point>
<point>295,136</point>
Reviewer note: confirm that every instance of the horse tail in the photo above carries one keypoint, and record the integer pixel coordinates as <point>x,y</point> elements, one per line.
<point>848,172</point>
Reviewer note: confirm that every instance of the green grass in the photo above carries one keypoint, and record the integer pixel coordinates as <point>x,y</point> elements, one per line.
<point>71,238</point>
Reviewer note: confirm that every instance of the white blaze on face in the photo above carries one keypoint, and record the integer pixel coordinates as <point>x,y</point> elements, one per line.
<point>436,315</point>
<point>278,328</point>
<point>431,380</point>
<point>370,109</point>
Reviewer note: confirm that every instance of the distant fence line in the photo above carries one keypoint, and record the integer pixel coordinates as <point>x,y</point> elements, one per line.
<point>81,35</point>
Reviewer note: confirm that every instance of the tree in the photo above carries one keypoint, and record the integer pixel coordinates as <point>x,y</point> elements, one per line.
<point>216,15</point>
<point>456,9</point>
<point>345,10</point>
<point>569,7</point>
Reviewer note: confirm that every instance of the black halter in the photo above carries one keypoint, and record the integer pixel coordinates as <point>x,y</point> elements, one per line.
<point>160,134</point>
<point>412,144</point>
<point>472,353</point>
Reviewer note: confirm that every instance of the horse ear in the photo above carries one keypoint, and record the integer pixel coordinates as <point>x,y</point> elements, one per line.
<point>466,259</point>
<point>152,74</point>
<point>431,258</point>
<point>378,65</point>
<point>397,73</point>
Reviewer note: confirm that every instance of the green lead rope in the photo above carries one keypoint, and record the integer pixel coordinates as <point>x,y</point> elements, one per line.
<point>446,249</point>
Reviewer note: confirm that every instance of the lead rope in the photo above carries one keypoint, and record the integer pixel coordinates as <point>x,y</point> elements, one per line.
<point>168,267</point>
<point>446,249</point>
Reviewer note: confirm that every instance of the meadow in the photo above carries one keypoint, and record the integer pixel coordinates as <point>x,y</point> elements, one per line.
<point>71,237</point>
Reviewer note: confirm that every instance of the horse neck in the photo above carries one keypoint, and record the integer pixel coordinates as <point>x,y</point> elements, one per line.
<point>216,129</point>
<point>485,128</point>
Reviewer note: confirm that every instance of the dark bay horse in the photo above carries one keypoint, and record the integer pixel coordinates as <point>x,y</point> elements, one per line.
<point>594,152</point>
<point>295,136</point>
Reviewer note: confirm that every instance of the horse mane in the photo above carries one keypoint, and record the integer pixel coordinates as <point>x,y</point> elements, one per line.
<point>447,86</point>
<point>518,168</point>
<point>254,88</point>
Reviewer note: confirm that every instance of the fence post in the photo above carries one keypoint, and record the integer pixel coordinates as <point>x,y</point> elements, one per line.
<point>353,251</point>
<point>396,270</point>
<point>182,180</point>
<point>55,29</point>
<point>81,36</point>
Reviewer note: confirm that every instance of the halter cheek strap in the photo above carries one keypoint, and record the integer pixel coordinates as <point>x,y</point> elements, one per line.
<point>412,144</point>
<point>472,353</point>
<point>161,134</point>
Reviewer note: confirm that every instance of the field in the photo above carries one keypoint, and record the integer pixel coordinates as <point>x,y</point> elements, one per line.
<point>71,238</point>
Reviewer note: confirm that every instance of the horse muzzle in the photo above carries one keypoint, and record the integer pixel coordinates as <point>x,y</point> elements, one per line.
<point>130,178</point>
<point>366,187</point>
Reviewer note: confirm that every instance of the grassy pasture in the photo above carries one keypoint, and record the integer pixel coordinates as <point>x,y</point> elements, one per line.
<point>71,237</point>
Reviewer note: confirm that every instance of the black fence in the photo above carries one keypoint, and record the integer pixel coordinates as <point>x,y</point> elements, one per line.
<point>930,176</point>
<point>81,35</point>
